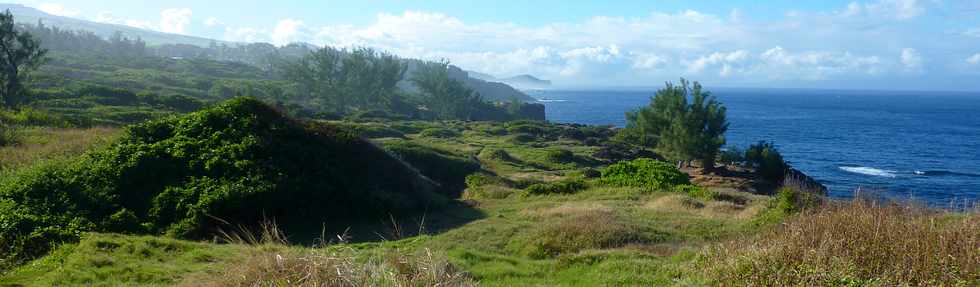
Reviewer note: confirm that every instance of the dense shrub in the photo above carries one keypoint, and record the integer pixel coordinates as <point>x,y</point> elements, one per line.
<point>238,162</point>
<point>522,138</point>
<point>447,169</point>
<point>375,131</point>
<point>767,160</point>
<point>495,131</point>
<point>439,133</point>
<point>560,156</point>
<point>554,188</point>
<point>526,128</point>
<point>495,154</point>
<point>8,134</point>
<point>697,191</point>
<point>645,173</point>
<point>732,155</point>
<point>786,202</point>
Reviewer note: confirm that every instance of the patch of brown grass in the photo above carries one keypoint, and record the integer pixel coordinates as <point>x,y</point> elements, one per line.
<point>583,229</point>
<point>272,262</point>
<point>710,209</point>
<point>39,143</point>
<point>861,242</point>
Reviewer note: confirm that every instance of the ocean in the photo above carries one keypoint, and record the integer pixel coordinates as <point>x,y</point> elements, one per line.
<point>906,145</point>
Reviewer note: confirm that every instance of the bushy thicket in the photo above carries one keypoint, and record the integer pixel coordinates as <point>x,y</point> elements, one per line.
<point>448,170</point>
<point>554,188</point>
<point>767,160</point>
<point>239,162</point>
<point>646,173</point>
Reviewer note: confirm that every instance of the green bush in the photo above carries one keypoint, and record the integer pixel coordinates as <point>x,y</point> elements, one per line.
<point>496,154</point>
<point>373,131</point>
<point>697,191</point>
<point>495,131</point>
<point>533,129</point>
<point>447,169</point>
<point>560,156</point>
<point>239,162</point>
<point>439,133</point>
<point>767,160</point>
<point>523,138</point>
<point>8,134</point>
<point>788,201</point>
<point>645,173</point>
<point>732,155</point>
<point>559,187</point>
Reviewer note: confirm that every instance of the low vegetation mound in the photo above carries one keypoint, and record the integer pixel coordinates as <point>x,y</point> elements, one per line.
<point>644,173</point>
<point>857,244</point>
<point>236,163</point>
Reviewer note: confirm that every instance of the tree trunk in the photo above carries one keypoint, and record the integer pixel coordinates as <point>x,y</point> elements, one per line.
<point>708,164</point>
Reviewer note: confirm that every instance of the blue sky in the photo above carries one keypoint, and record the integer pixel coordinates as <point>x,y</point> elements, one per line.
<point>861,44</point>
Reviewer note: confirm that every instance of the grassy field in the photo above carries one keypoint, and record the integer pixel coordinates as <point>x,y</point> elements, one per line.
<point>573,230</point>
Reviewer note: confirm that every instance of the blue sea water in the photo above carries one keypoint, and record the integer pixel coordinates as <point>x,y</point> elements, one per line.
<point>920,145</point>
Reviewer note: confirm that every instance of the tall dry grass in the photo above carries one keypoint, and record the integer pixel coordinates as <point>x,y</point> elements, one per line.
<point>36,144</point>
<point>272,262</point>
<point>862,242</point>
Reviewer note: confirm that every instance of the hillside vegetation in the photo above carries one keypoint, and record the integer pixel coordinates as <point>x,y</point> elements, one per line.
<point>235,163</point>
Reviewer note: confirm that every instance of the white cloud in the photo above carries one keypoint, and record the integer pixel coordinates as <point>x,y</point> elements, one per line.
<point>175,20</point>
<point>109,18</point>
<point>57,9</point>
<point>779,63</point>
<point>899,9</point>
<point>894,9</point>
<point>722,59</point>
<point>212,21</point>
<point>732,48</point>
<point>286,31</point>
<point>911,59</point>
<point>973,60</point>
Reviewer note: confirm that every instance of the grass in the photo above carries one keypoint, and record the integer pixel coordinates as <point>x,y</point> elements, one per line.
<point>41,143</point>
<point>857,243</point>
<point>121,260</point>
<point>597,235</point>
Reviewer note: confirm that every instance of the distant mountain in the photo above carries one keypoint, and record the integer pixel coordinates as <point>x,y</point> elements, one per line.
<point>526,82</point>
<point>482,76</point>
<point>28,15</point>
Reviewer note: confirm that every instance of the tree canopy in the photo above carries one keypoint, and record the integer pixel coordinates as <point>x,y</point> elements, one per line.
<point>20,53</point>
<point>682,122</point>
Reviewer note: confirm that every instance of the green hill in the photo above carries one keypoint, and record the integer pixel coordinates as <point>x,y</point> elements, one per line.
<point>240,162</point>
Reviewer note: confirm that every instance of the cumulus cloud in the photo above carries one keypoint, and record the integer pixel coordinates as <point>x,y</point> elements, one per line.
<point>57,9</point>
<point>803,46</point>
<point>286,31</point>
<point>911,59</point>
<point>175,20</point>
<point>888,9</point>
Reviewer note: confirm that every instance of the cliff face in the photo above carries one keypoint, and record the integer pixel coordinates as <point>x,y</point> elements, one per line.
<point>804,181</point>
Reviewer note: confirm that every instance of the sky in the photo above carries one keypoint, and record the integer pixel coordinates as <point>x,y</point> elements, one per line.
<point>869,44</point>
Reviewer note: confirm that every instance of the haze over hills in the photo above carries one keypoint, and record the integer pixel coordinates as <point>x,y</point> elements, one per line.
<point>181,46</point>
<point>28,15</point>
<point>523,82</point>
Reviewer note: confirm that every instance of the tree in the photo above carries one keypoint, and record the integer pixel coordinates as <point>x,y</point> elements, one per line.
<point>20,54</point>
<point>340,80</point>
<point>447,98</point>
<point>684,123</point>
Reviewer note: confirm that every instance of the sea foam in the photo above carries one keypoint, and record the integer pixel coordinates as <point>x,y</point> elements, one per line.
<point>869,171</point>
